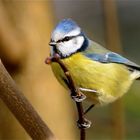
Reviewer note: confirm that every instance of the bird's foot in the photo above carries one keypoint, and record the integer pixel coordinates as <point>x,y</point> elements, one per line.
<point>79,97</point>
<point>85,125</point>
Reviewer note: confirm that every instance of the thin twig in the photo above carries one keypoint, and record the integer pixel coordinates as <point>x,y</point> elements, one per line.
<point>22,109</point>
<point>74,92</point>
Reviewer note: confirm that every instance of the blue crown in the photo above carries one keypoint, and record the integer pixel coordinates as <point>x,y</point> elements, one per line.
<point>66,25</point>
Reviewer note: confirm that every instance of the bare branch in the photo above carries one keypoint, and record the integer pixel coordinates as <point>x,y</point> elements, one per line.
<point>22,109</point>
<point>82,122</point>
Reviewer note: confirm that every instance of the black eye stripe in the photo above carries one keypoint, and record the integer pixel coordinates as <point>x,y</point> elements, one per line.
<point>67,38</point>
<point>58,41</point>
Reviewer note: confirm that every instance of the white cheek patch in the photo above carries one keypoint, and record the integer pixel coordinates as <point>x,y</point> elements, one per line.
<point>69,47</point>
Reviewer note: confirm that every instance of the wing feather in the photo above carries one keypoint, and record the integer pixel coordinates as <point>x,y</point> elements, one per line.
<point>111,57</point>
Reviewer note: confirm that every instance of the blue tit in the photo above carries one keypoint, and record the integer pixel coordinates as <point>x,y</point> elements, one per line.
<point>102,75</point>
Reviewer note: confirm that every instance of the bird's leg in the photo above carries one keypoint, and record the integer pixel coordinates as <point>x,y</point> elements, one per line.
<point>88,109</point>
<point>82,123</point>
<point>91,91</point>
<point>86,123</point>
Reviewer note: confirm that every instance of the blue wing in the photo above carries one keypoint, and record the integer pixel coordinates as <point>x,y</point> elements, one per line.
<point>111,57</point>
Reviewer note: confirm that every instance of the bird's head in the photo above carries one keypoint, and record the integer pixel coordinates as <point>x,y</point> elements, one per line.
<point>67,39</point>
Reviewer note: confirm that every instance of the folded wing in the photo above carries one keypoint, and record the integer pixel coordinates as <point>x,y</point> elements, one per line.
<point>112,57</point>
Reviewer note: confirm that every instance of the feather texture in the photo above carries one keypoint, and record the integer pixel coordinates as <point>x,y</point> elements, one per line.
<point>110,80</point>
<point>107,56</point>
<point>102,75</point>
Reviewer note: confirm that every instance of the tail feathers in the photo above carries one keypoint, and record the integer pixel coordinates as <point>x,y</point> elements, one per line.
<point>135,75</point>
<point>134,67</point>
<point>138,78</point>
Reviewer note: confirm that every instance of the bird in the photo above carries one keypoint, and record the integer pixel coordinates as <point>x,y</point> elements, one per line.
<point>102,75</point>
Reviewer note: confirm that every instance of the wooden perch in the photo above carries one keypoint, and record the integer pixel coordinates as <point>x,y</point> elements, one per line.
<point>22,109</point>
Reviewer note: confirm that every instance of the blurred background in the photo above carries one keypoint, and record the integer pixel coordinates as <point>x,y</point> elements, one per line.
<point>25,28</point>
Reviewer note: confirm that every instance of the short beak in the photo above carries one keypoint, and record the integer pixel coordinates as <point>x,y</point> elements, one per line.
<point>52,44</point>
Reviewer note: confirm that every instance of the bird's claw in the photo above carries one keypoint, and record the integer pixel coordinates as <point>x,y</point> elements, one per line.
<point>85,125</point>
<point>78,98</point>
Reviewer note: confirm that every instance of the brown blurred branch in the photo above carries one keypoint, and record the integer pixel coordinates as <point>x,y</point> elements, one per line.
<point>22,109</point>
<point>11,47</point>
<point>82,122</point>
<point>113,43</point>
<point>112,33</point>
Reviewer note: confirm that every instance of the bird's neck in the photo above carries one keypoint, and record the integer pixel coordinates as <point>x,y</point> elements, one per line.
<point>85,44</point>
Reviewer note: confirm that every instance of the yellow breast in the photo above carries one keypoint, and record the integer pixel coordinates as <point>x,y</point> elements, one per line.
<point>110,80</point>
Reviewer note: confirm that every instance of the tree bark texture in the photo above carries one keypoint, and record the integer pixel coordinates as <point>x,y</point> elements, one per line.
<point>21,108</point>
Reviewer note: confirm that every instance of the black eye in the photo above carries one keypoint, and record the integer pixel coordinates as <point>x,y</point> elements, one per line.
<point>66,39</point>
